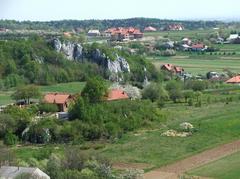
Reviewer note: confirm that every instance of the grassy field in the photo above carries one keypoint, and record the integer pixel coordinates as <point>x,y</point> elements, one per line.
<point>199,65</point>
<point>179,35</point>
<point>215,125</point>
<point>73,87</point>
<point>5,98</point>
<point>225,168</point>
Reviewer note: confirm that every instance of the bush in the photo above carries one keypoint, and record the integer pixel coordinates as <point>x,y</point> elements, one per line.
<point>48,108</point>
<point>174,89</point>
<point>169,52</point>
<point>154,92</point>
<point>190,102</point>
<point>199,103</point>
<point>10,139</point>
<point>197,85</point>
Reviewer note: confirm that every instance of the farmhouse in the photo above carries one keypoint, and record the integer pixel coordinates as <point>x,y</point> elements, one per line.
<point>172,69</point>
<point>150,29</point>
<point>67,34</point>
<point>94,33</point>
<point>123,34</point>
<point>198,47</point>
<point>232,37</point>
<point>116,94</point>
<point>234,80</point>
<point>61,100</point>
<point>11,172</point>
<point>3,30</point>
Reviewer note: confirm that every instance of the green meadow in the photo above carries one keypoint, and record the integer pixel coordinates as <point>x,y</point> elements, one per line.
<point>198,65</point>
<point>72,88</point>
<point>226,168</point>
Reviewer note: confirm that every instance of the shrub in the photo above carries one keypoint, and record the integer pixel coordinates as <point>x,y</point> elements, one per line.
<point>169,52</point>
<point>196,85</point>
<point>48,108</point>
<point>199,103</point>
<point>154,92</point>
<point>190,102</point>
<point>10,139</point>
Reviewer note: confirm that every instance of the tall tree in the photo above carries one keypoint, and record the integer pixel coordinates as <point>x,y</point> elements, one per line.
<point>95,90</point>
<point>26,93</point>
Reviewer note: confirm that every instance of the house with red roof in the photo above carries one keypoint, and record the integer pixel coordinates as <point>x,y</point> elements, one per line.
<point>117,94</point>
<point>62,100</point>
<point>172,69</point>
<point>234,80</point>
<point>122,34</point>
<point>198,47</point>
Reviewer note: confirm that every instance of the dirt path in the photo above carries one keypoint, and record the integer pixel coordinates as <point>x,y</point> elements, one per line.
<point>195,161</point>
<point>123,166</point>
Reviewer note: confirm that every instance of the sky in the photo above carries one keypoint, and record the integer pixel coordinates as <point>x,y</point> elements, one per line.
<point>46,10</point>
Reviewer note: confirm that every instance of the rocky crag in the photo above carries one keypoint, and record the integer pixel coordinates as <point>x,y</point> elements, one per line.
<point>75,51</point>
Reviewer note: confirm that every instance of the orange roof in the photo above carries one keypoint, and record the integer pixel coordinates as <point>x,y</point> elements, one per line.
<point>67,34</point>
<point>116,94</point>
<point>197,46</point>
<point>168,66</point>
<point>179,69</point>
<point>56,98</point>
<point>123,31</point>
<point>235,79</point>
<point>171,67</point>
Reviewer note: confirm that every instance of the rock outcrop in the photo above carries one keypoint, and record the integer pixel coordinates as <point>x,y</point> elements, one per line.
<point>75,51</point>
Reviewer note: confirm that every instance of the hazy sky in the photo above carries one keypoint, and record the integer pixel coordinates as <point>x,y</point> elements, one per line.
<point>111,9</point>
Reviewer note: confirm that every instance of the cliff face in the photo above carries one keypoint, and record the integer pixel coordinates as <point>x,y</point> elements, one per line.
<point>75,51</point>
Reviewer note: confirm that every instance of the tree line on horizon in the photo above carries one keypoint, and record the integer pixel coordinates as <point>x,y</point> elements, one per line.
<point>140,23</point>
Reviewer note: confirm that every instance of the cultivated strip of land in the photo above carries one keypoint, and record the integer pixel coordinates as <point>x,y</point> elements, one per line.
<point>195,161</point>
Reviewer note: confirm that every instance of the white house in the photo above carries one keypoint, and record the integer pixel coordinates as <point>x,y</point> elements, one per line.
<point>94,33</point>
<point>233,37</point>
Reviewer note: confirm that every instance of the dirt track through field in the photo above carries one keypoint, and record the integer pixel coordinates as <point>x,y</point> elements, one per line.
<point>195,161</point>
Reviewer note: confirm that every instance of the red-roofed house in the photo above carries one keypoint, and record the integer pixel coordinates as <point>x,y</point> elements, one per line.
<point>117,94</point>
<point>198,47</point>
<point>121,34</point>
<point>60,99</point>
<point>234,80</point>
<point>172,68</point>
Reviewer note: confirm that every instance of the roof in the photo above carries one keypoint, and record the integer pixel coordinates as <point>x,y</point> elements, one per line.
<point>185,46</point>
<point>233,36</point>
<point>94,31</point>
<point>185,39</point>
<point>9,172</point>
<point>67,34</point>
<point>171,67</point>
<point>178,69</point>
<point>150,29</point>
<point>124,31</point>
<point>56,98</point>
<point>198,46</point>
<point>116,94</point>
<point>235,79</point>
